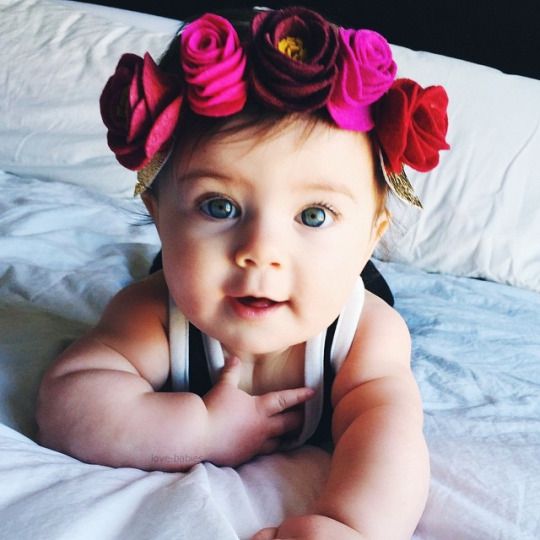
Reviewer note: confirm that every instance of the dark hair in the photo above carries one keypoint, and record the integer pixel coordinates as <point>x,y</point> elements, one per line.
<point>259,120</point>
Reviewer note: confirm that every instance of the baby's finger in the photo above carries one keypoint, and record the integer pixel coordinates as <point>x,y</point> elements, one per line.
<point>269,446</point>
<point>265,534</point>
<point>230,373</point>
<point>277,401</point>
<point>283,423</point>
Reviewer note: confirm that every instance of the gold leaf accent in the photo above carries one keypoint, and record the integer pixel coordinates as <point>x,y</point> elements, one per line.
<point>148,173</point>
<point>400,185</point>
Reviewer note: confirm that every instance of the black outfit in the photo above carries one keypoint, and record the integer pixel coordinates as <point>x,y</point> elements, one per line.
<point>199,376</point>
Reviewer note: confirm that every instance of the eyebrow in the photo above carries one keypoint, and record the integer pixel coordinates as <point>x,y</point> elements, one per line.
<point>317,185</point>
<point>197,174</point>
<point>338,188</point>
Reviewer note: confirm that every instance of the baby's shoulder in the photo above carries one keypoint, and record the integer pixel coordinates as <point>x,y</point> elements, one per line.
<point>381,347</point>
<point>147,297</point>
<point>135,324</point>
<point>378,313</point>
<point>138,313</point>
<point>382,333</point>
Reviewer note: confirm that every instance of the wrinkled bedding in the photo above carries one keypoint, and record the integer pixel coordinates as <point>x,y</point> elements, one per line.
<point>476,354</point>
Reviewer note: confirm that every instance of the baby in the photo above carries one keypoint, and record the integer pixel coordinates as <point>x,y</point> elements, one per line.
<point>265,148</point>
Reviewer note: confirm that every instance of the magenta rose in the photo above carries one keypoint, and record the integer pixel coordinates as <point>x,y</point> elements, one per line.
<point>366,71</point>
<point>140,106</point>
<point>411,125</point>
<point>294,59</point>
<point>214,63</point>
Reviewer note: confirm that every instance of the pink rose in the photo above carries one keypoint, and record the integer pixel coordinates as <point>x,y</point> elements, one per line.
<point>140,106</point>
<point>366,71</point>
<point>412,123</point>
<point>214,63</point>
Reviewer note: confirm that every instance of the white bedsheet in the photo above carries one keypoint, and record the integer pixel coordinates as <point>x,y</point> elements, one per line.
<point>65,251</point>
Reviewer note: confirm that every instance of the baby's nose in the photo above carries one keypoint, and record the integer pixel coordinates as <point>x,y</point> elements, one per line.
<point>259,246</point>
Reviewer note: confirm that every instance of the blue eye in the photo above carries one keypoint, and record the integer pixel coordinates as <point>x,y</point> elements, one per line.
<point>219,208</point>
<point>313,216</point>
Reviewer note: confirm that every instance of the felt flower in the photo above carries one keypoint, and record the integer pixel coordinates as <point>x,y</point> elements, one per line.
<point>214,62</point>
<point>366,71</point>
<point>294,59</point>
<point>140,106</point>
<point>411,125</point>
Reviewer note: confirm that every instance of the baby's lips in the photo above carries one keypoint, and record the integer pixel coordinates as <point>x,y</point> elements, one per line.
<point>257,302</point>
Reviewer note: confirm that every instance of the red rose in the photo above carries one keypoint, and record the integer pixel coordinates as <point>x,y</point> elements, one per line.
<point>213,62</point>
<point>140,106</point>
<point>293,59</point>
<point>411,124</point>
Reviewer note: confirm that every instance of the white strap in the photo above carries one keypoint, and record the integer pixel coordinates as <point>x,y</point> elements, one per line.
<point>214,356</point>
<point>347,325</point>
<point>313,378</point>
<point>178,348</point>
<point>313,360</point>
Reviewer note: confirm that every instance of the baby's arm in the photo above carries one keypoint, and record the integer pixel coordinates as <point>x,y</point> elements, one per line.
<point>379,475</point>
<point>99,403</point>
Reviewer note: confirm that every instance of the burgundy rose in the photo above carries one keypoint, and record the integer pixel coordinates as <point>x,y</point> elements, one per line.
<point>411,125</point>
<point>365,72</point>
<point>140,107</point>
<point>214,63</point>
<point>294,59</point>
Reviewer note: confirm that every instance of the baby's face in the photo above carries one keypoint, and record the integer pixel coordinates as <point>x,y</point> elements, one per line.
<point>262,241</point>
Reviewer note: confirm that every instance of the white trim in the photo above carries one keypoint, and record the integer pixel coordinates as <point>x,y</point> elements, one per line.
<point>347,325</point>
<point>178,348</point>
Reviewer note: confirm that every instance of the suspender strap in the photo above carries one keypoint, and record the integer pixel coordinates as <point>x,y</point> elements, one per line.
<point>196,361</point>
<point>178,348</point>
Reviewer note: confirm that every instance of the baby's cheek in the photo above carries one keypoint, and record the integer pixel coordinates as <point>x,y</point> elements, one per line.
<point>193,282</point>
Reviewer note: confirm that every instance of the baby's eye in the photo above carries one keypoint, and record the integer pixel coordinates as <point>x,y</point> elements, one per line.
<point>316,216</point>
<point>220,208</point>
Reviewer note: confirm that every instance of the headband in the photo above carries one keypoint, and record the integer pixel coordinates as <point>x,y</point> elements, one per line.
<point>293,61</point>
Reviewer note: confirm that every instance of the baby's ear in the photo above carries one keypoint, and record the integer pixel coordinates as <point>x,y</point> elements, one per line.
<point>150,201</point>
<point>381,224</point>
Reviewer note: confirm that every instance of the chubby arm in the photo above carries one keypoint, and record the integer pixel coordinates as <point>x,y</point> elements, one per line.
<point>99,403</point>
<point>379,474</point>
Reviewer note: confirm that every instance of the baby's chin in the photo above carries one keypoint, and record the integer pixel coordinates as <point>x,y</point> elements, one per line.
<point>259,342</point>
<point>256,349</point>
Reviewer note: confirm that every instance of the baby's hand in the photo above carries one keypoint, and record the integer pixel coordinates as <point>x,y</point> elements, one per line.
<point>309,527</point>
<point>242,426</point>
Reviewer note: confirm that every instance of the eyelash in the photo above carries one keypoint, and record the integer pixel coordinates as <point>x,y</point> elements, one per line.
<point>326,206</point>
<point>207,197</point>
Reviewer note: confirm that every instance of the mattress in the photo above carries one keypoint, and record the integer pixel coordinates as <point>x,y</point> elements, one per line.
<point>66,250</point>
<point>71,236</point>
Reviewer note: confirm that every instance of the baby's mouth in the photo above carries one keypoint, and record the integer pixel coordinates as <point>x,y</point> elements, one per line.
<point>257,302</point>
<point>254,307</point>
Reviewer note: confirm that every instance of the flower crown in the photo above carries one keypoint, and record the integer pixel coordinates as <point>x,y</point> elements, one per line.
<point>293,61</point>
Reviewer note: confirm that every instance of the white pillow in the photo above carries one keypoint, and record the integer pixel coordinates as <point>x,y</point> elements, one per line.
<point>55,59</point>
<point>481,214</point>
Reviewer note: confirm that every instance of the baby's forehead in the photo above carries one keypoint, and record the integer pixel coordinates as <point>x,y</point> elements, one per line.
<point>287,161</point>
<point>308,142</point>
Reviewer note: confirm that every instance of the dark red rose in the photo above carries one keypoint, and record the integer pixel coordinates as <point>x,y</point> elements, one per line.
<point>411,124</point>
<point>293,59</point>
<point>140,106</point>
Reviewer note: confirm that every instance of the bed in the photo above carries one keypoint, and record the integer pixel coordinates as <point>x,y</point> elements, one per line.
<point>465,274</point>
